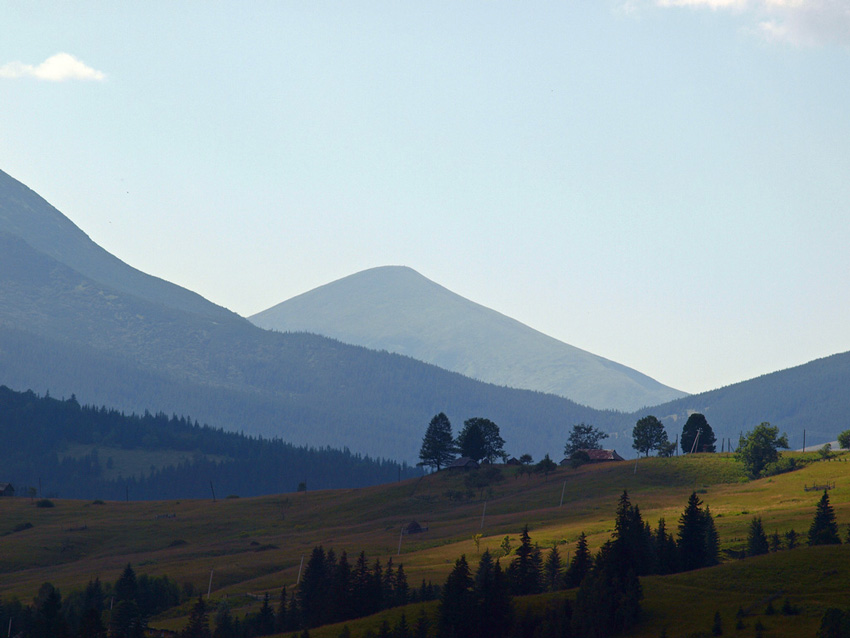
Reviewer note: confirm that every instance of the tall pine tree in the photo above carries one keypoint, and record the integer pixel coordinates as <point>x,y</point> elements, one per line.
<point>824,529</point>
<point>438,448</point>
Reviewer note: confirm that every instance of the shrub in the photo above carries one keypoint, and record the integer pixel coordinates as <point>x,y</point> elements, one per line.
<point>44,502</point>
<point>781,466</point>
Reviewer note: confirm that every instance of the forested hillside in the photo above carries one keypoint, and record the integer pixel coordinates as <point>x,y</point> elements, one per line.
<point>811,397</point>
<point>74,319</point>
<point>68,449</point>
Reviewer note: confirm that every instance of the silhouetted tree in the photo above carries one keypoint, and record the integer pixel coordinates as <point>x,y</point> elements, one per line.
<point>524,572</point>
<point>199,624</point>
<point>584,437</point>
<point>457,604</point>
<point>697,541</point>
<point>824,529</point>
<point>756,538</point>
<point>697,425</point>
<point>553,579</point>
<point>438,448</point>
<point>580,564</point>
<point>649,434</point>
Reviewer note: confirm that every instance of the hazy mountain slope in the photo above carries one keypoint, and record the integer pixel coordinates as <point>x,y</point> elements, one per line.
<point>23,213</point>
<point>812,396</point>
<point>396,309</point>
<point>66,332</point>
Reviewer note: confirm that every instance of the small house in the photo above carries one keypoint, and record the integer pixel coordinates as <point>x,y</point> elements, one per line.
<point>6,489</point>
<point>513,461</point>
<point>413,527</point>
<point>603,456</point>
<point>596,456</point>
<point>463,463</point>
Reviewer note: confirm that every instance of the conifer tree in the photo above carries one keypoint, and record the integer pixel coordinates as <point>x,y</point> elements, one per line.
<point>493,599</point>
<point>224,626</point>
<point>402,590</point>
<point>280,618</point>
<point>199,624</point>
<point>552,577</point>
<point>265,618</point>
<point>313,589</point>
<point>792,539</point>
<point>824,529</point>
<point>667,556</point>
<point>756,538</point>
<point>524,571</point>
<point>457,603</point>
<point>438,447</point>
<point>580,564</point>
<point>420,629</point>
<point>696,425</point>
<point>692,554</point>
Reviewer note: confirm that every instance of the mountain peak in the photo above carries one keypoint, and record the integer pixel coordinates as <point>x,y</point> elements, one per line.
<point>397,309</point>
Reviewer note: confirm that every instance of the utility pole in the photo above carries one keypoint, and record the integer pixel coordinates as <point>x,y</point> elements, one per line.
<point>696,440</point>
<point>563,489</point>
<point>483,514</point>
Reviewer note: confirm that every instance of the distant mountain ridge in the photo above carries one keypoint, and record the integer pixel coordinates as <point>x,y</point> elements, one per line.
<point>172,351</point>
<point>396,309</point>
<point>75,319</point>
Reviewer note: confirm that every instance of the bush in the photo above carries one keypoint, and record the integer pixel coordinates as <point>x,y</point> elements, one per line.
<point>781,466</point>
<point>44,502</point>
<point>579,458</point>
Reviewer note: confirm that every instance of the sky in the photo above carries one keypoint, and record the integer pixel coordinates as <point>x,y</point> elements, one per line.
<point>665,183</point>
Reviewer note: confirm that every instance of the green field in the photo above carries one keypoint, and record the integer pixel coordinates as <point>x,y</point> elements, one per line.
<point>254,545</point>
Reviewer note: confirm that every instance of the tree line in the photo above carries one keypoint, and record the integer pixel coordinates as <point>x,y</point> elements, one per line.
<point>37,430</point>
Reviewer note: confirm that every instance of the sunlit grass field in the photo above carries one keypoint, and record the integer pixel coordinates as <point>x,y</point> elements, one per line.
<point>254,545</point>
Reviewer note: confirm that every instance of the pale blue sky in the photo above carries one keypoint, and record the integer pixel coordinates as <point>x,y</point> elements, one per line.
<point>663,183</point>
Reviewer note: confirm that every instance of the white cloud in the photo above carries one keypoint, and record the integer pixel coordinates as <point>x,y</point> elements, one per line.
<point>56,68</point>
<point>799,22</point>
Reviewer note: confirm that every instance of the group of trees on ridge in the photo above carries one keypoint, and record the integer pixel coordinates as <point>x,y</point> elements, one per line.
<point>480,439</point>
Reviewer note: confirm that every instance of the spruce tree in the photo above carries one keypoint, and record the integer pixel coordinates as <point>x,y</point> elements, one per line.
<point>438,448</point>
<point>696,425</point>
<point>756,538</point>
<point>457,603</point>
<point>199,624</point>
<point>580,564</point>
<point>524,571</point>
<point>667,556</point>
<point>691,543</point>
<point>824,529</point>
<point>552,578</point>
<point>493,599</point>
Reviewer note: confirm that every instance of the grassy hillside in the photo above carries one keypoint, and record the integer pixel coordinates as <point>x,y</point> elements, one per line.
<point>255,545</point>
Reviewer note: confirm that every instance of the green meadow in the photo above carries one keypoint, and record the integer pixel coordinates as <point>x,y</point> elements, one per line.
<point>245,547</point>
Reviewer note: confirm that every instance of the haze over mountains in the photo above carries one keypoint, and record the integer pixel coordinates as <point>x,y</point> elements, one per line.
<point>76,320</point>
<point>394,308</point>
